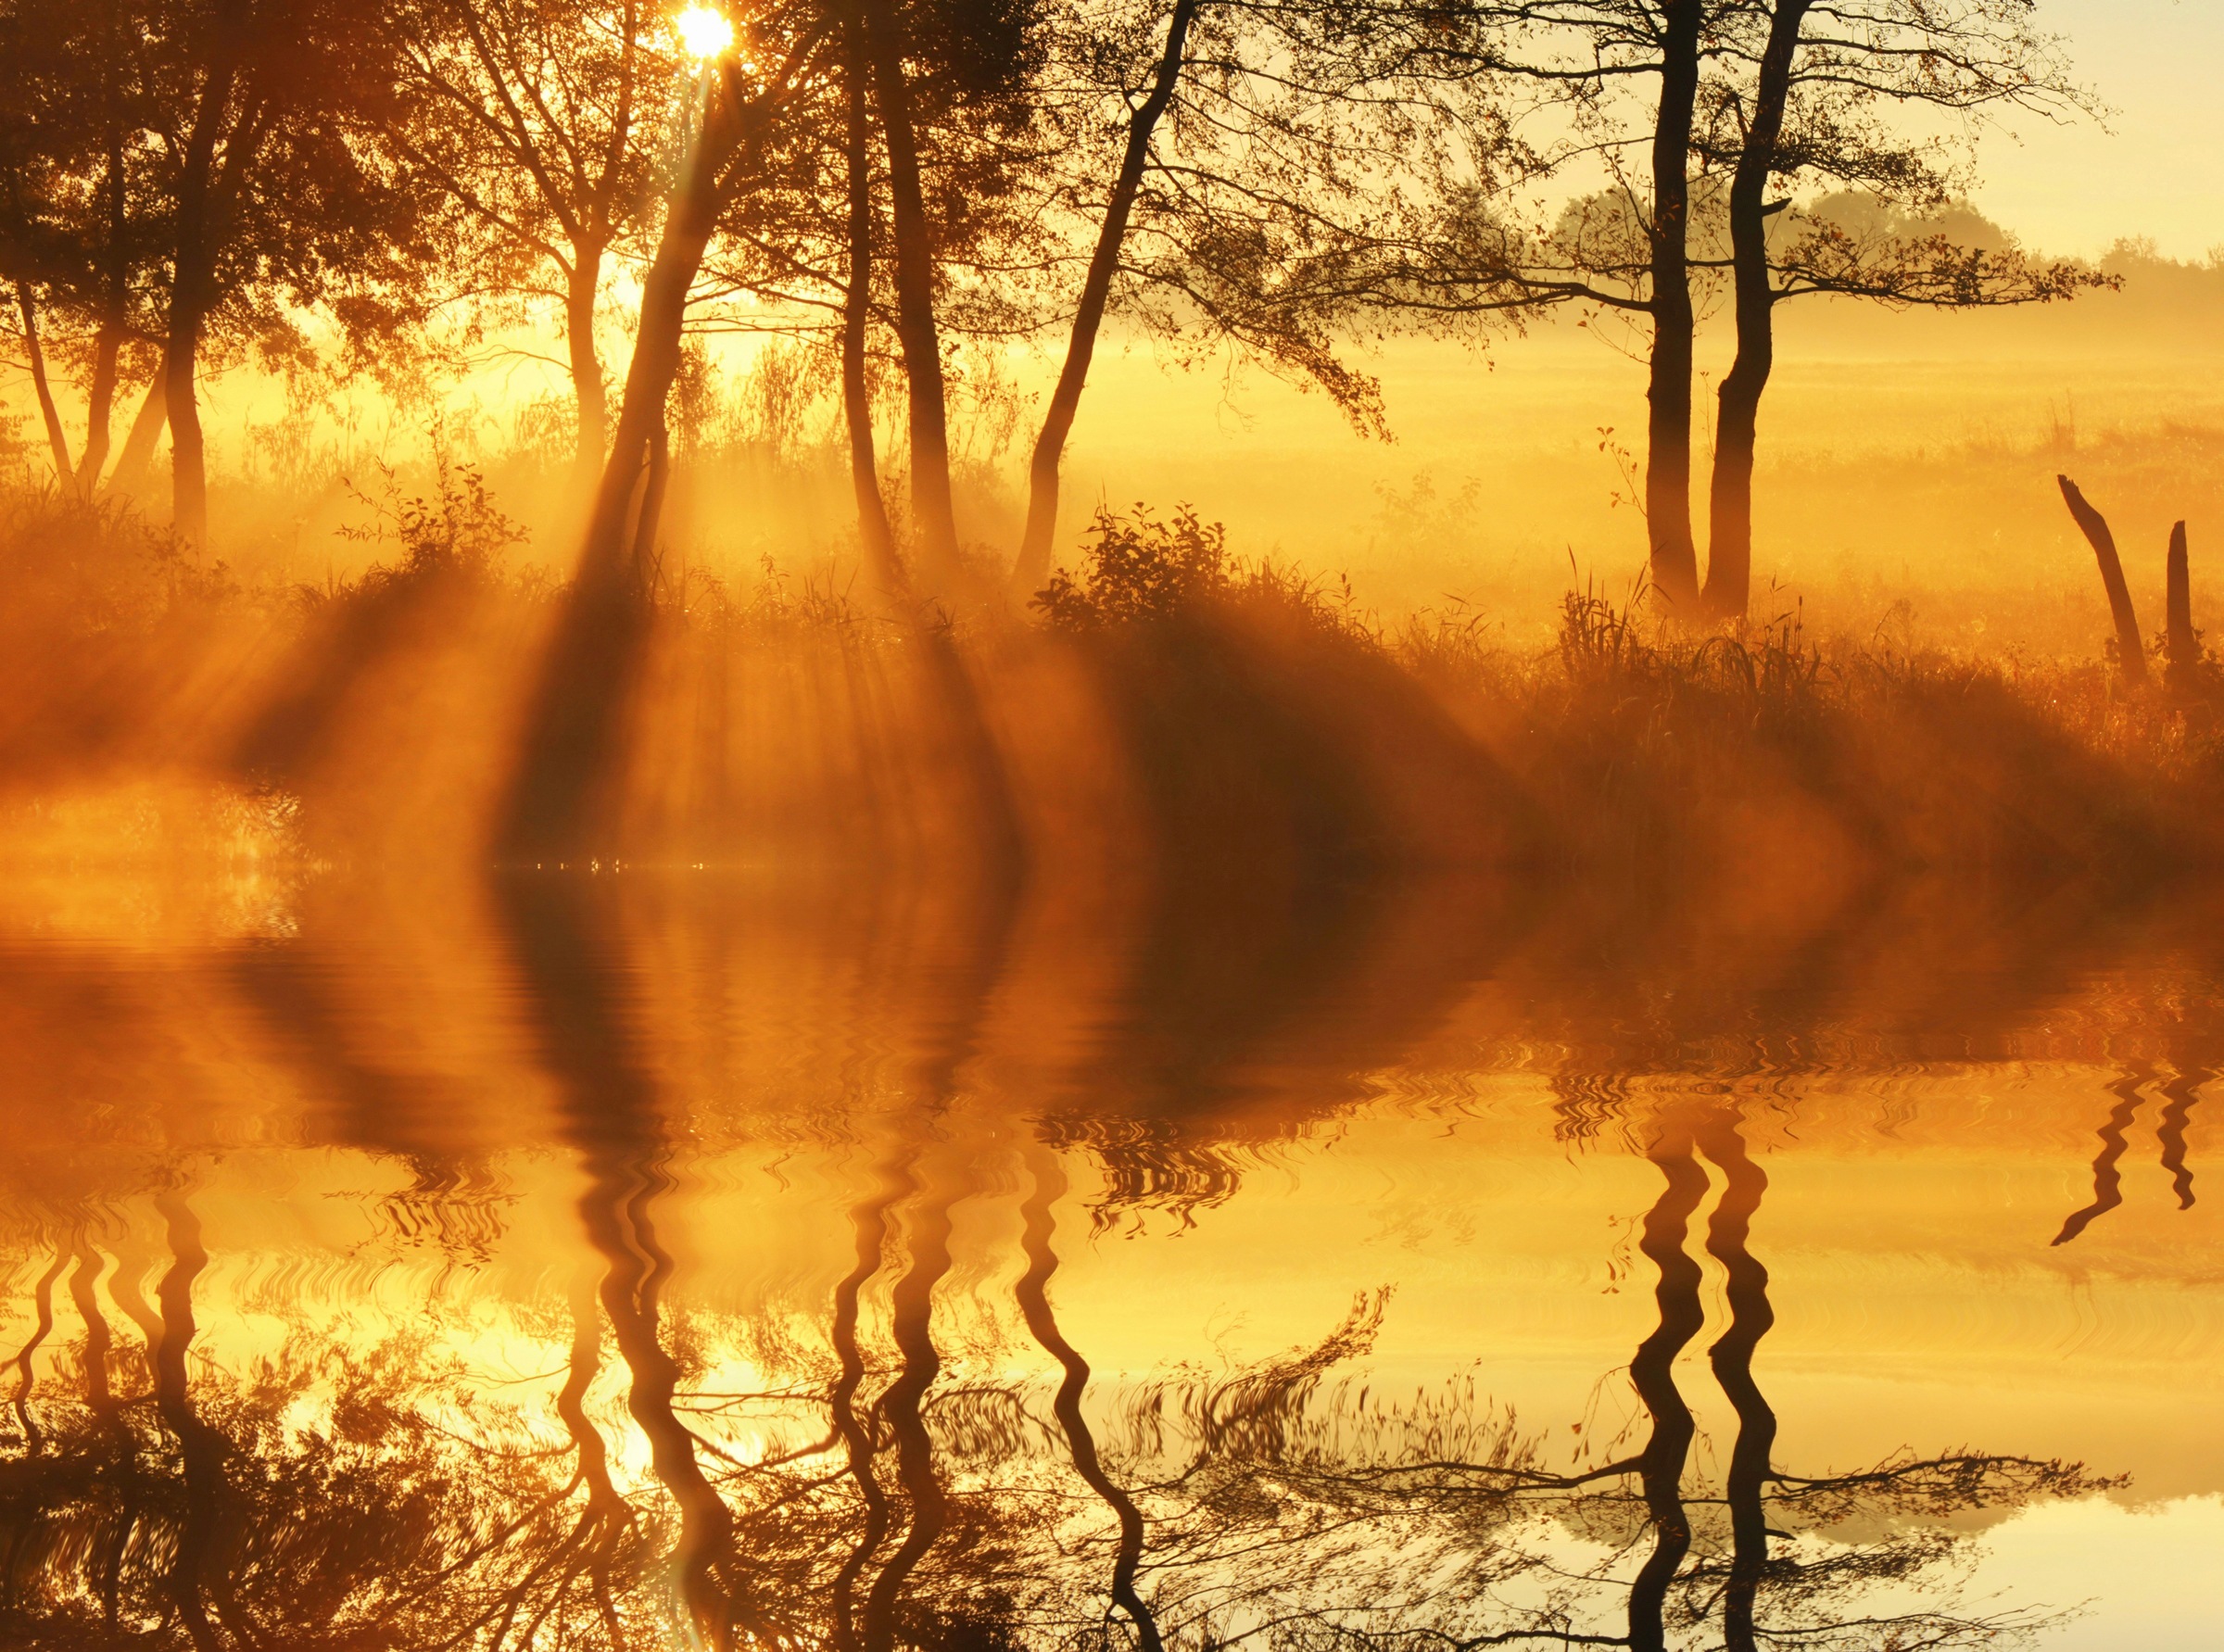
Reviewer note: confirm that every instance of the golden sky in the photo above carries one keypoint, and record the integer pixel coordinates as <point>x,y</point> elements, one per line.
<point>2157,170</point>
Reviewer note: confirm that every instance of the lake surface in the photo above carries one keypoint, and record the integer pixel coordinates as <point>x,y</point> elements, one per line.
<point>600,1259</point>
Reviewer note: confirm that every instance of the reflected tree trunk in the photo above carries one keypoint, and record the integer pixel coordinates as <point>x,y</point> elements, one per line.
<point>859,1434</point>
<point>2107,1182</point>
<point>193,1589</point>
<point>927,1245</point>
<point>100,1399</point>
<point>1033,1292</point>
<point>1652,1370</point>
<point>41,1301</point>
<point>610,1117</point>
<point>1728,1231</point>
<point>2180,1093</point>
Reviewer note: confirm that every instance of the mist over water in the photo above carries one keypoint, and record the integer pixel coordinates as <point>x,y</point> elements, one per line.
<point>851,1255</point>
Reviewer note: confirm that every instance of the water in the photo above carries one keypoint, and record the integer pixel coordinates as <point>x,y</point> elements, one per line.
<point>647,1260</point>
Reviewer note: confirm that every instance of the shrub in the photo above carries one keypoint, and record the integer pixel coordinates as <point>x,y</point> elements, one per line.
<point>1138,568</point>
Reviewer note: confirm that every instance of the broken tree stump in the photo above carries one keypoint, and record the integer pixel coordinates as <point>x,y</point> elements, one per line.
<point>2182,648</point>
<point>2131,656</point>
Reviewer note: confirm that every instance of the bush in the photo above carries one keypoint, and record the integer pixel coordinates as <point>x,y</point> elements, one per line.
<point>1138,568</point>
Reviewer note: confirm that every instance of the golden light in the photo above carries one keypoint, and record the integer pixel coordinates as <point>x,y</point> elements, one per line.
<point>704,33</point>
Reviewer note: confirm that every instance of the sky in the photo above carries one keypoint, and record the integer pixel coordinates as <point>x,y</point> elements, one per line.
<point>2157,170</point>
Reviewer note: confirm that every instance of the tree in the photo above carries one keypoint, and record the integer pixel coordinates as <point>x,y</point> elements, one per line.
<point>267,114</point>
<point>1049,453</point>
<point>1582,57</point>
<point>1825,85</point>
<point>1274,180</point>
<point>539,122</point>
<point>735,142</point>
<point>963,75</point>
<point>81,229</point>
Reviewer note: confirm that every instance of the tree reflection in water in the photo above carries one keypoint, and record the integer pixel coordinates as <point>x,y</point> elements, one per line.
<point>359,1494</point>
<point>890,1475</point>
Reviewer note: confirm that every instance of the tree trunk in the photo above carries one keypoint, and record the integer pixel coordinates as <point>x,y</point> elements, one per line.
<point>2131,658</point>
<point>100,405</point>
<point>1035,546</point>
<point>2183,643</point>
<point>933,516</point>
<point>1668,435</point>
<point>115,319</point>
<point>146,430</point>
<point>57,440</point>
<point>192,274</point>
<point>1730,514</point>
<point>188,450</point>
<point>583,283</point>
<point>569,751</point>
<point>613,552</point>
<point>873,529</point>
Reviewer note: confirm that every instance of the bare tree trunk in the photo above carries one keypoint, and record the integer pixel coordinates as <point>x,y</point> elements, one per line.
<point>2131,659</point>
<point>1668,435</point>
<point>146,430</point>
<point>1035,546</point>
<point>582,284</point>
<point>933,515</point>
<point>2178,619</point>
<point>57,441</point>
<point>873,529</point>
<point>1730,514</point>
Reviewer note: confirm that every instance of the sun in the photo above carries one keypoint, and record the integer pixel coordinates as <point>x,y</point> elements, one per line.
<point>704,31</point>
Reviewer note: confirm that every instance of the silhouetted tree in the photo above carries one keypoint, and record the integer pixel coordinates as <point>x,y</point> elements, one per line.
<point>267,114</point>
<point>542,124</point>
<point>1274,181</point>
<point>82,226</point>
<point>1829,86</point>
